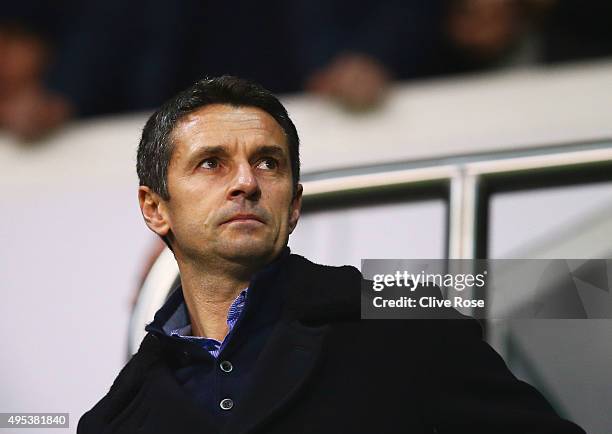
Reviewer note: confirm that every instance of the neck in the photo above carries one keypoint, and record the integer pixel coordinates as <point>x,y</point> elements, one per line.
<point>209,292</point>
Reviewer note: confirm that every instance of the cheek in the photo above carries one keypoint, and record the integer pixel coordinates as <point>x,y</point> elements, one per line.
<point>208,216</point>
<point>195,213</point>
<point>280,204</point>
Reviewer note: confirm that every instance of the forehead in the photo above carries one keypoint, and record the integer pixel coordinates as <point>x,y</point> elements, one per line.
<point>221,124</point>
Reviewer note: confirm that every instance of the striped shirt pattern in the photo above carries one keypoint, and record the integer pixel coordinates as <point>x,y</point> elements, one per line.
<point>211,345</point>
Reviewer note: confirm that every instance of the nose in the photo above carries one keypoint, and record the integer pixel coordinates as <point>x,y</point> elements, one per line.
<point>244,183</point>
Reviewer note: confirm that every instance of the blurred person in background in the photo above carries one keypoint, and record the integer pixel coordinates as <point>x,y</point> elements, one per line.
<point>478,35</point>
<point>71,59</point>
<point>29,31</point>
<point>113,56</point>
<point>484,34</point>
<point>102,57</point>
<point>351,51</point>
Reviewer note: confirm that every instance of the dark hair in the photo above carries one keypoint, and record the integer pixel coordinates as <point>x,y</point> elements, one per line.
<point>155,148</point>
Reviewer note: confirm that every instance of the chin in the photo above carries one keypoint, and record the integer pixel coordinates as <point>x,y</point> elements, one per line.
<point>248,250</point>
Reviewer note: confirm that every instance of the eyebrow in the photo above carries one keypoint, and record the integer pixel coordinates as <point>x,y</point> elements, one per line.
<point>273,150</point>
<point>221,151</point>
<point>206,151</point>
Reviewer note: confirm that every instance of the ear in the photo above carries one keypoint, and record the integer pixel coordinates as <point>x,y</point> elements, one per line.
<point>296,208</point>
<point>154,211</point>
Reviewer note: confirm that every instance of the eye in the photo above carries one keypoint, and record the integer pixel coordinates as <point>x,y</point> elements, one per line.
<point>267,164</point>
<point>210,163</point>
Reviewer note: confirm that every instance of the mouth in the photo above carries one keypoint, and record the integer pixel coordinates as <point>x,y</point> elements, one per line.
<point>244,218</point>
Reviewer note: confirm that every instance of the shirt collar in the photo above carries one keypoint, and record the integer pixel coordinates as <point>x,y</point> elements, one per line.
<point>173,314</point>
<point>179,324</point>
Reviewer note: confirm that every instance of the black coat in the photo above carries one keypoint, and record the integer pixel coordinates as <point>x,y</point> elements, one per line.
<point>323,370</point>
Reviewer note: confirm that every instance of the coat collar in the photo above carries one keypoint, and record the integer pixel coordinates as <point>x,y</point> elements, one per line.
<point>320,293</point>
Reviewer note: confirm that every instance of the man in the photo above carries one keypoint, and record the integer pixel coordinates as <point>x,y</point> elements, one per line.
<point>256,339</point>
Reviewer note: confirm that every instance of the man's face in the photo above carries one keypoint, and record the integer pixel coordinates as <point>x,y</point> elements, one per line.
<point>230,186</point>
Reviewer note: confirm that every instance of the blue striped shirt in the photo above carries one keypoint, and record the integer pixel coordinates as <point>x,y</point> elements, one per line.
<point>183,329</point>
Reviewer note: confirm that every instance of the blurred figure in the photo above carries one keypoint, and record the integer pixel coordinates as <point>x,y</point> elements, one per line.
<point>481,34</point>
<point>71,59</point>
<point>113,56</point>
<point>350,51</point>
<point>22,59</point>
<point>356,80</point>
<point>485,28</point>
<point>26,107</point>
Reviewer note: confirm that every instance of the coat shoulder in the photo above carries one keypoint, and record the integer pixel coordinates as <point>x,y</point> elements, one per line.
<point>316,292</point>
<point>126,385</point>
